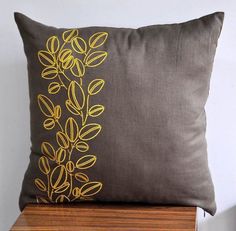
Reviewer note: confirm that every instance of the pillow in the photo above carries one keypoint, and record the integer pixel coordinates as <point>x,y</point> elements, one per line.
<point>117,114</point>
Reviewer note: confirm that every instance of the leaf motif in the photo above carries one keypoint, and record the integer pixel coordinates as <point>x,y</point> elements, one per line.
<point>53,44</point>
<point>76,95</point>
<point>76,192</point>
<point>70,166</point>
<point>54,88</point>
<point>57,112</point>
<point>98,39</point>
<point>58,177</point>
<point>49,72</point>
<point>64,55</point>
<point>42,200</point>
<point>68,35</point>
<point>40,184</point>
<point>78,68</point>
<point>95,58</point>
<point>46,58</point>
<point>46,106</point>
<point>49,124</point>
<point>68,62</point>
<point>44,165</point>
<point>96,110</point>
<point>90,189</point>
<point>95,86</point>
<point>79,45</point>
<point>81,146</point>
<point>86,162</point>
<point>48,150</point>
<point>81,177</point>
<point>62,140</point>
<point>72,108</point>
<point>60,155</point>
<point>71,129</point>
<point>89,131</point>
<point>62,199</point>
<point>62,188</point>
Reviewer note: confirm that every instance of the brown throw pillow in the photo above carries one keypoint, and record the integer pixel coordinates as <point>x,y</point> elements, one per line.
<point>117,114</point>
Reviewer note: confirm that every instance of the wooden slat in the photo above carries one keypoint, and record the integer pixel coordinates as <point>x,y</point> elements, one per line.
<point>106,217</point>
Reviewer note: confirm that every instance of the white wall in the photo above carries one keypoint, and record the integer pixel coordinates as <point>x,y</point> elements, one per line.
<point>14,102</point>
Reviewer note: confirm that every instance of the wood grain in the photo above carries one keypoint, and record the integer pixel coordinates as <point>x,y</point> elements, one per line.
<point>106,217</point>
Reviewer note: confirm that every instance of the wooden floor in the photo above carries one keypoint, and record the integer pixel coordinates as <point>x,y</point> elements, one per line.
<point>97,217</point>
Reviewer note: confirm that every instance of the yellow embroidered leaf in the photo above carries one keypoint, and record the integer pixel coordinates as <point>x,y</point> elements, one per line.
<point>54,88</point>
<point>62,199</point>
<point>76,95</point>
<point>68,62</point>
<point>68,35</point>
<point>57,112</point>
<point>53,44</point>
<point>46,59</point>
<point>96,58</point>
<point>43,164</point>
<point>79,45</point>
<point>95,86</point>
<point>81,177</point>
<point>62,188</point>
<point>89,131</point>
<point>64,55</point>
<point>60,155</point>
<point>58,176</point>
<point>98,39</point>
<point>82,146</point>
<point>72,108</point>
<point>48,150</point>
<point>46,106</point>
<point>49,72</point>
<point>40,184</point>
<point>71,129</point>
<point>76,192</point>
<point>49,124</point>
<point>70,166</point>
<point>90,189</point>
<point>78,68</point>
<point>62,140</point>
<point>86,162</point>
<point>96,110</point>
<point>42,200</point>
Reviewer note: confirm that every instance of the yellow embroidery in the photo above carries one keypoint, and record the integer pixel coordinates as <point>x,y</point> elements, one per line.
<point>65,61</point>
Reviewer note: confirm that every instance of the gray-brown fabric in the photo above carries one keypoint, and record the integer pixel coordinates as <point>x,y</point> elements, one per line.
<point>152,146</point>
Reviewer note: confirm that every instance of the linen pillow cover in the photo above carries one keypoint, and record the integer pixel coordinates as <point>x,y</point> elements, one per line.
<point>117,114</point>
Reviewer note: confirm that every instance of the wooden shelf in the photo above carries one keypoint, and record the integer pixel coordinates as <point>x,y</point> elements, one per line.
<point>106,217</point>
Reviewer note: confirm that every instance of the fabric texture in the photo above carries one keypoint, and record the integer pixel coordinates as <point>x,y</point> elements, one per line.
<point>117,114</point>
